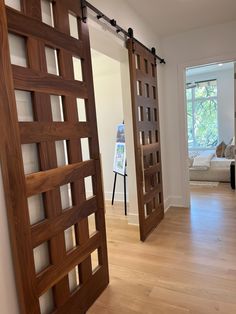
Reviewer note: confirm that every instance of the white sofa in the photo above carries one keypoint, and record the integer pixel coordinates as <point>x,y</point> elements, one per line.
<point>218,170</point>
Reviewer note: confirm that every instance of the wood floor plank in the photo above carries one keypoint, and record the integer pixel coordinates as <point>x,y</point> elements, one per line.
<point>188,265</point>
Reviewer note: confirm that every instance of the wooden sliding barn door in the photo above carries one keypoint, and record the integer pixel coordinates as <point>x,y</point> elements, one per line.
<point>53,274</point>
<point>146,137</point>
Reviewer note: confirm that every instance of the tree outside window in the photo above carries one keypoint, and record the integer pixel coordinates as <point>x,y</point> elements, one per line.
<point>202,114</point>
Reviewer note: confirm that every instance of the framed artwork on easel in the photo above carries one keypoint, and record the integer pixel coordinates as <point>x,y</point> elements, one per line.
<point>119,165</point>
<point>120,159</point>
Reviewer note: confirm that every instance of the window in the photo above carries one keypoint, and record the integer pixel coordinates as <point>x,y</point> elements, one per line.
<point>202,114</point>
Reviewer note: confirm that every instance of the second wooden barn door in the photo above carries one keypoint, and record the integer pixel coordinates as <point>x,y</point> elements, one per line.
<point>49,154</point>
<point>146,137</point>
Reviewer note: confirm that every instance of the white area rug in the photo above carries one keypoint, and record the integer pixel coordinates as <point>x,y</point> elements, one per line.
<point>204,183</point>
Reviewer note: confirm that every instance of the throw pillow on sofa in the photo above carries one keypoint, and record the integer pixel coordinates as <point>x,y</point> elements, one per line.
<point>230,152</point>
<point>220,150</point>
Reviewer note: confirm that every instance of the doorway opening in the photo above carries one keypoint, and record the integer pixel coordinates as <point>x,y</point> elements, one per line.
<point>111,76</point>
<point>110,114</point>
<point>210,128</point>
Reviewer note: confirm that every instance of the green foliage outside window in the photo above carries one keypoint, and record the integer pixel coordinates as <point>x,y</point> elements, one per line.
<point>202,114</point>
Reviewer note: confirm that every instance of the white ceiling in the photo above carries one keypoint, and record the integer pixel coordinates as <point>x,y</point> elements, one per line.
<point>169,17</point>
<point>210,68</point>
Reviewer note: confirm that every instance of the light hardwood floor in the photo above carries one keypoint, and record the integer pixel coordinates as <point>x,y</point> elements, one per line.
<point>188,265</point>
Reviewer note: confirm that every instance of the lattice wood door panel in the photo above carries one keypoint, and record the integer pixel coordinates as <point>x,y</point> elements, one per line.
<point>146,137</point>
<point>47,112</point>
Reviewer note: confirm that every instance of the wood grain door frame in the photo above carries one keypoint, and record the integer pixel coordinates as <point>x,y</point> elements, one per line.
<point>45,132</point>
<point>145,112</point>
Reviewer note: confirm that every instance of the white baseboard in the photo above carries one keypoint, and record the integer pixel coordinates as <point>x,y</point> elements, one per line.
<point>133,219</point>
<point>166,204</point>
<point>174,201</point>
<point>119,196</point>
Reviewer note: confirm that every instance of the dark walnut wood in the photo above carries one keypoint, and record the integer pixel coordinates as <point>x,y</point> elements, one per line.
<point>146,137</point>
<point>44,133</point>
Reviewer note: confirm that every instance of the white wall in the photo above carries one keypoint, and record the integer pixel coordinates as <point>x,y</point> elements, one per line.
<point>126,17</point>
<point>225,99</point>
<point>198,47</point>
<point>109,106</point>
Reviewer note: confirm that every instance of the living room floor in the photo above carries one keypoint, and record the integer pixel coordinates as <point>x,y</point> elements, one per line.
<point>188,264</point>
